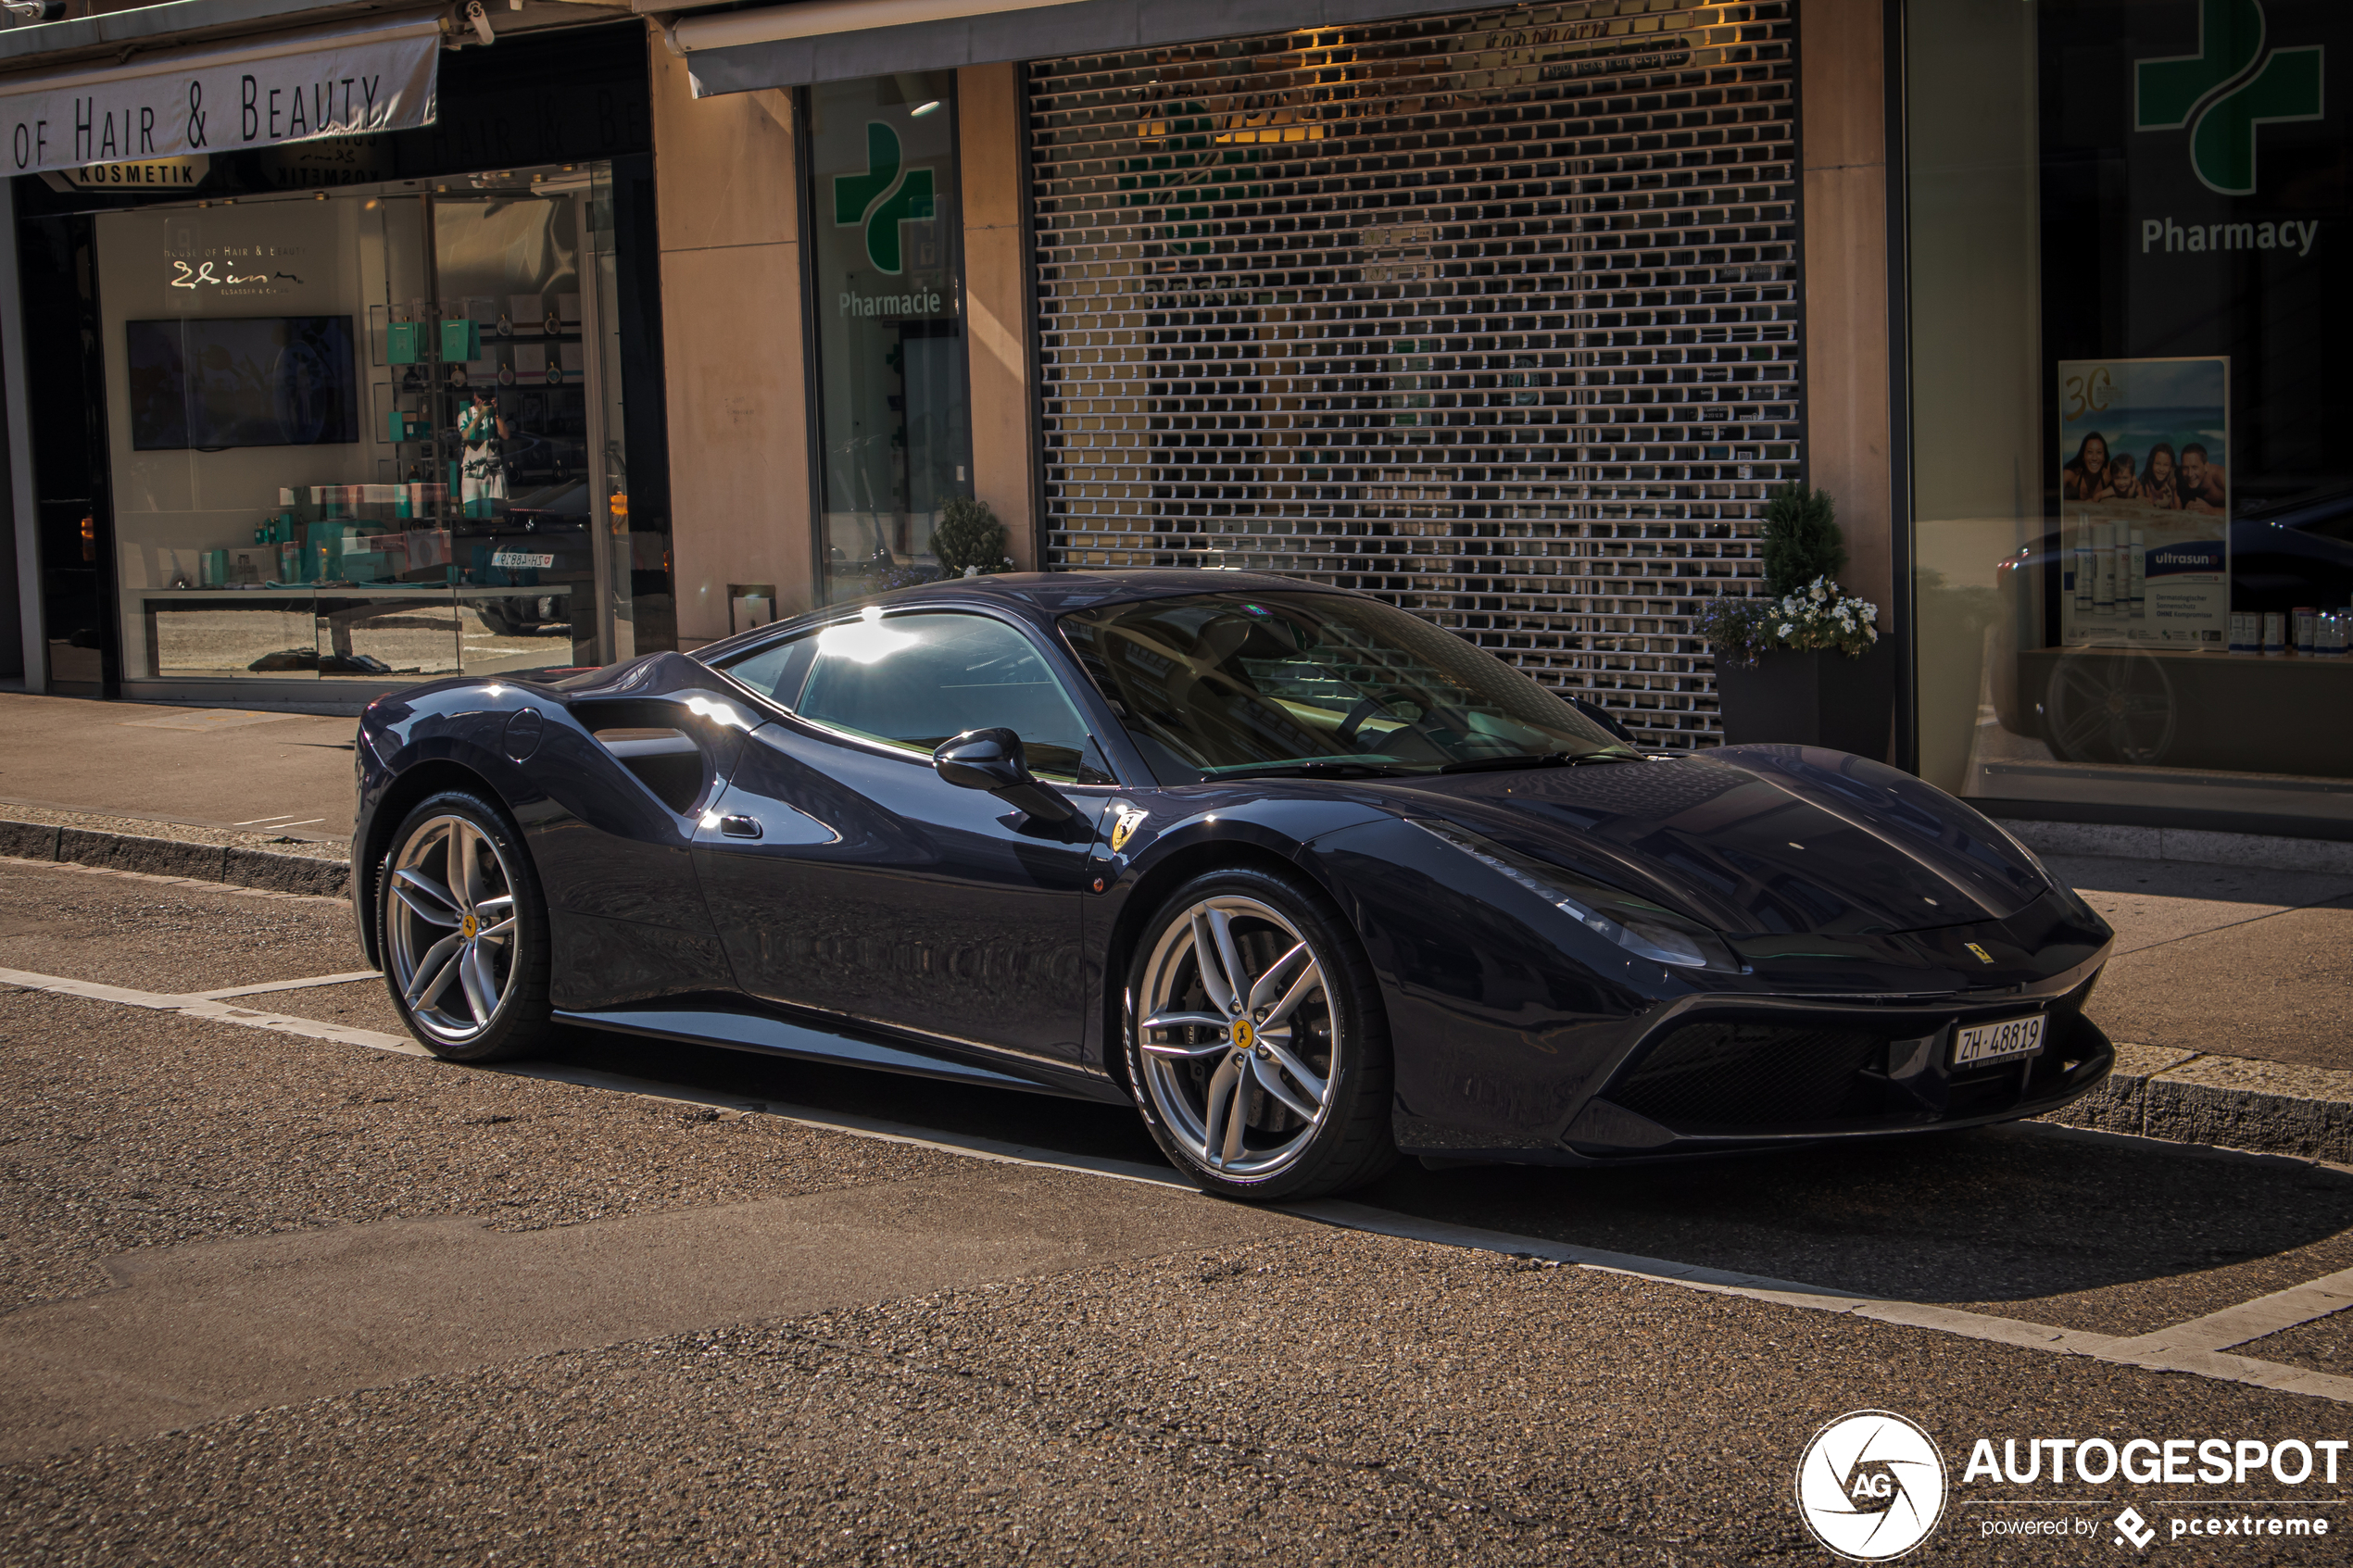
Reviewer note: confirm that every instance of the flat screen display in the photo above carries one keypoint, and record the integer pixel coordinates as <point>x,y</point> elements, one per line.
<point>262,381</point>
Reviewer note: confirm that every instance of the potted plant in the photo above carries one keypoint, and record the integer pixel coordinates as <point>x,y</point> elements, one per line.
<point>969,540</point>
<point>1803,662</point>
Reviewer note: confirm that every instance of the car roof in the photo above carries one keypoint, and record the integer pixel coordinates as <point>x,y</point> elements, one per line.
<point>1039,595</point>
<point>1057,593</point>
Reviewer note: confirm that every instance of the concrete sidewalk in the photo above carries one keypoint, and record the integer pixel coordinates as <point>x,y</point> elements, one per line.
<point>240,777</point>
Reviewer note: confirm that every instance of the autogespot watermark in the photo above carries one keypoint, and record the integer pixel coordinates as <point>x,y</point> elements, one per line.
<point>1872,1484</point>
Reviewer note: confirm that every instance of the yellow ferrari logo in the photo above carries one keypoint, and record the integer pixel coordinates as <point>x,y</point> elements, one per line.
<point>1982,956</point>
<point>1124,828</point>
<point>1243,1034</point>
<point>468,926</point>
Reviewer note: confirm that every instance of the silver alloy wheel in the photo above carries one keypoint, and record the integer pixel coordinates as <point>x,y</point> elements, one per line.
<point>449,923</point>
<point>1239,1040</point>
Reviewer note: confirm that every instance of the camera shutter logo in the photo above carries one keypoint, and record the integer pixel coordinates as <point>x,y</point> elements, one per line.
<point>1871,1486</point>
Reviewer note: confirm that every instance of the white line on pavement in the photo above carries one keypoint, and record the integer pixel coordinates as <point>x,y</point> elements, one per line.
<point>2250,1320</point>
<point>216,1011</point>
<point>2161,1351</point>
<point>291,985</point>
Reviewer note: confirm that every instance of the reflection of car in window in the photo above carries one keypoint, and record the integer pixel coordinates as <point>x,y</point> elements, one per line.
<point>2142,705</point>
<point>534,524</point>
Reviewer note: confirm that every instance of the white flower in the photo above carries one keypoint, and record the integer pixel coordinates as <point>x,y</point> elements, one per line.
<point>1785,628</point>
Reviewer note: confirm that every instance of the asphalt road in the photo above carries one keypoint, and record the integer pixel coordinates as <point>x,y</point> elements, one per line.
<point>268,1299</point>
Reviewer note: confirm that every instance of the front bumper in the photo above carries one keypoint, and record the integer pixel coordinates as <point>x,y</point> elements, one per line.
<point>1722,1074</point>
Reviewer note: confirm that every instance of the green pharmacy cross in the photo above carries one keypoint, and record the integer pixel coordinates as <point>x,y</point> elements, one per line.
<point>2233,84</point>
<point>883,198</point>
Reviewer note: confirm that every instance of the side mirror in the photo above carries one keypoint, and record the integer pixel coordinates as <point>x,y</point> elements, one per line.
<point>994,760</point>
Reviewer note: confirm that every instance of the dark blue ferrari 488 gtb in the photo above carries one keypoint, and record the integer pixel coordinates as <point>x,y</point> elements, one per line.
<point>1308,881</point>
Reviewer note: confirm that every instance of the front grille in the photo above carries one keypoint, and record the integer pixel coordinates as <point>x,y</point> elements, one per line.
<point>1716,1077</point>
<point>1494,314</point>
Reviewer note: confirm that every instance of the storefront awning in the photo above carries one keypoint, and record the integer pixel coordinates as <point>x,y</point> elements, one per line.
<point>345,80</point>
<point>812,41</point>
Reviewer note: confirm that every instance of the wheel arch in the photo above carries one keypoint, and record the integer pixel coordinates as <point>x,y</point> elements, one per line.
<point>1145,899</point>
<point>428,778</point>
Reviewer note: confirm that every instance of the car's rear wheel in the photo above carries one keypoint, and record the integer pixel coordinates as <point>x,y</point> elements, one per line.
<point>464,930</point>
<point>1256,1040</point>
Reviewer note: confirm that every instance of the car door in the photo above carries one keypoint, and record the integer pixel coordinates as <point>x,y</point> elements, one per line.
<point>845,876</point>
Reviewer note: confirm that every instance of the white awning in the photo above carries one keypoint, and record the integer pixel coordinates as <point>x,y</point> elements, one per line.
<point>345,81</point>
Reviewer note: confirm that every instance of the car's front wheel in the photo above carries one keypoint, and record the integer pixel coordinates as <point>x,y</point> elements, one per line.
<point>464,930</point>
<point>1257,1042</point>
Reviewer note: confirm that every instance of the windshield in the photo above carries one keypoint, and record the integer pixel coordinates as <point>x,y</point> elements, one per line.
<point>1218,685</point>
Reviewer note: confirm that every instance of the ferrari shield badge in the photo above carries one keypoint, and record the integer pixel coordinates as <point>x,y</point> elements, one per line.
<point>1128,819</point>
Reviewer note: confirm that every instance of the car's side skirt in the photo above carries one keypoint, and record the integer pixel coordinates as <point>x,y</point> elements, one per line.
<point>737,1029</point>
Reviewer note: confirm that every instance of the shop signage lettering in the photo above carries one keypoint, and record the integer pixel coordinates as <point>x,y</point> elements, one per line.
<point>187,277</point>
<point>182,172</point>
<point>2232,85</point>
<point>2163,233</point>
<point>375,80</point>
<point>889,304</point>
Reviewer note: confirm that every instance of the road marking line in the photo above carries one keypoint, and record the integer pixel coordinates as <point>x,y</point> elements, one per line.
<point>2257,1319</point>
<point>215,1012</point>
<point>2139,1351</point>
<point>252,821</point>
<point>290,985</point>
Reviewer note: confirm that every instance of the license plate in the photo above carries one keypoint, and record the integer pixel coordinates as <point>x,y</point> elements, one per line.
<point>2012,1038</point>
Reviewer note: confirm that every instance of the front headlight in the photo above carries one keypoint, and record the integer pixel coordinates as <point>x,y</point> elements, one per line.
<point>1640,926</point>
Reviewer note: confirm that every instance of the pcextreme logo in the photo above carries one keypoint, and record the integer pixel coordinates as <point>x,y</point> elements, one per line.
<point>883,198</point>
<point>2236,83</point>
<point>1870,1486</point>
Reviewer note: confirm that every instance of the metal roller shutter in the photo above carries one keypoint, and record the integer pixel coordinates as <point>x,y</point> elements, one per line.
<point>1494,314</point>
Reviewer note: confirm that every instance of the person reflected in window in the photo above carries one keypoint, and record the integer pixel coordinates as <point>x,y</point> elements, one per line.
<point>2085,477</point>
<point>2160,486</point>
<point>484,431</point>
<point>2205,485</point>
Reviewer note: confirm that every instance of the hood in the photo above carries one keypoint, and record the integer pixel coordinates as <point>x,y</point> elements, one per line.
<point>1756,840</point>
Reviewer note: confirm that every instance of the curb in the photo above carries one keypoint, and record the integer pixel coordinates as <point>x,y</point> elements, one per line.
<point>2231,1101</point>
<point>235,864</point>
<point>2197,846</point>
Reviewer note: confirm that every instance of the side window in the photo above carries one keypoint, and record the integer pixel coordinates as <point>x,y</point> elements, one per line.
<point>775,670</point>
<point>915,679</point>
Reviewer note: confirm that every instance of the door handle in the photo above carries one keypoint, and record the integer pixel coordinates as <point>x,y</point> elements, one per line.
<point>740,827</point>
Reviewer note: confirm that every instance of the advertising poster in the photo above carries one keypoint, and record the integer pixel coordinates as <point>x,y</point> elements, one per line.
<point>2144,501</point>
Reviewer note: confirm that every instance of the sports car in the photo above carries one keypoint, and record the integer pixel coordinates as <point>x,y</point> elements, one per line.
<point>1310,881</point>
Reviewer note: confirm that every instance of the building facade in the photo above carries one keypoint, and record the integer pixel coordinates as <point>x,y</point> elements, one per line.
<point>1514,316</point>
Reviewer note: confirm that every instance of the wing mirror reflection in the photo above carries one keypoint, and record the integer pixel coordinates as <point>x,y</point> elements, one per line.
<point>996,761</point>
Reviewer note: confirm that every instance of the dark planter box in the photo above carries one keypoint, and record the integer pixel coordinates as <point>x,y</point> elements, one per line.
<point>1812,700</point>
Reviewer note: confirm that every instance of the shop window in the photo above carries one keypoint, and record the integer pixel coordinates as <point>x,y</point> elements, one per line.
<point>2133,506</point>
<point>887,278</point>
<point>373,435</point>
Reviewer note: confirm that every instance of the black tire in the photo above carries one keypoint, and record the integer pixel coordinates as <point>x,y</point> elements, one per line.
<point>1339,1030</point>
<point>518,1024</point>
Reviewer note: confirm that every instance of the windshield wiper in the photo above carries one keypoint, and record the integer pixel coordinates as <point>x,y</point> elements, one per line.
<point>1537,759</point>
